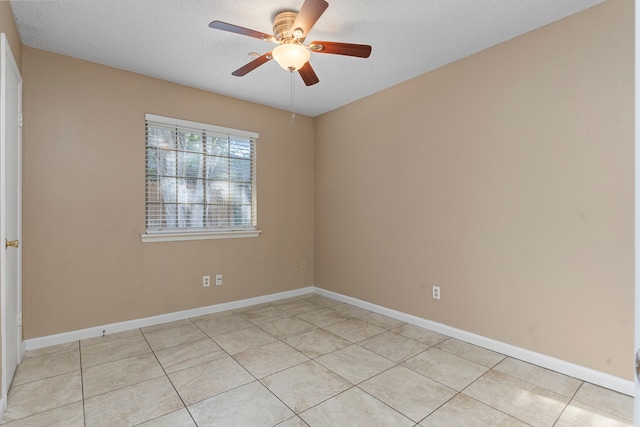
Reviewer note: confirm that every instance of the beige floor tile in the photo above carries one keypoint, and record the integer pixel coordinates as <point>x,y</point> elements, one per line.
<point>49,365</point>
<point>350,310</point>
<point>252,307</point>
<point>285,301</point>
<point>210,316</point>
<point>355,363</point>
<point>354,408</point>
<point>132,405</point>
<point>299,306</point>
<point>187,355</point>
<point>606,400</point>
<point>580,415</point>
<point>59,348</point>
<point>394,346</point>
<point>305,385</point>
<point>321,300</point>
<point>323,317</point>
<point>167,325</point>
<point>289,327</point>
<point>413,395</point>
<point>307,295</point>
<point>121,373</point>
<point>558,383</point>
<point>293,422</point>
<point>39,396</point>
<point>381,321</point>
<point>354,330</point>
<point>109,337</point>
<point>423,335</point>
<point>446,368</point>
<point>165,338</point>
<point>317,342</point>
<point>179,418</point>
<point>214,326</point>
<point>209,379</point>
<point>527,402</point>
<point>110,351</point>
<point>463,411</point>
<point>244,339</point>
<point>270,358</point>
<point>249,405</point>
<point>264,315</point>
<point>71,415</point>
<point>476,354</point>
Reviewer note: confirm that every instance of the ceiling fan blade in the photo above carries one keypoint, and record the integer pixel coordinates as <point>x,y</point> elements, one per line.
<point>308,75</point>
<point>252,65</point>
<point>348,49</point>
<point>219,25</point>
<point>309,14</point>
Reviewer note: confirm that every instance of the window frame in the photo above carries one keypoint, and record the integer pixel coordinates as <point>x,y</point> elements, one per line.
<point>181,234</point>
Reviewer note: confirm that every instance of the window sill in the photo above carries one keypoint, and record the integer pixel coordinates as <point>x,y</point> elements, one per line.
<point>204,235</point>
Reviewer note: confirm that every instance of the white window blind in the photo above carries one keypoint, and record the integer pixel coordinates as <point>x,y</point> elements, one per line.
<point>200,179</point>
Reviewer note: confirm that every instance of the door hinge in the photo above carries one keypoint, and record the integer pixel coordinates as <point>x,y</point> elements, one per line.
<point>20,319</point>
<point>20,119</point>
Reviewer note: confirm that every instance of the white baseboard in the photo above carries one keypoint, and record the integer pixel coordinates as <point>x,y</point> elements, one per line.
<point>586,374</point>
<point>96,331</point>
<point>3,406</point>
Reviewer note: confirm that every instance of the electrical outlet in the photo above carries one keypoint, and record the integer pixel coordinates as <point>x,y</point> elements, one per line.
<point>436,292</point>
<point>303,264</point>
<point>206,281</point>
<point>218,279</point>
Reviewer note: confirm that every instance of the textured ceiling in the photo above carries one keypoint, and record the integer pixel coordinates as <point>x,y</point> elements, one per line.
<point>171,40</point>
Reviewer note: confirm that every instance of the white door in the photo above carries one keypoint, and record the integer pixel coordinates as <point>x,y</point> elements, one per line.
<point>10,213</point>
<point>637,215</point>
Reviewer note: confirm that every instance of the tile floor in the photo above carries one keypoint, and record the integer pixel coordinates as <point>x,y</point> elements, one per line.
<point>307,361</point>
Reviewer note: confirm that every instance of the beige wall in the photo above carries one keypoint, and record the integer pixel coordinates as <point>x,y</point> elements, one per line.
<point>8,26</point>
<point>84,263</point>
<point>506,179</point>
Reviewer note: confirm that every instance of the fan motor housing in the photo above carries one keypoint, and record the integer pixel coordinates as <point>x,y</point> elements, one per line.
<point>282,24</point>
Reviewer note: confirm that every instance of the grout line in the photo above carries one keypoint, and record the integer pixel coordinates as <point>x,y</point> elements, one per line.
<point>170,382</point>
<point>84,411</point>
<point>328,398</point>
<point>486,404</point>
<point>494,408</point>
<point>571,399</point>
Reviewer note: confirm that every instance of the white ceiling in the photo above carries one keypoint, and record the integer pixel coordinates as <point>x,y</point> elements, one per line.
<point>171,40</point>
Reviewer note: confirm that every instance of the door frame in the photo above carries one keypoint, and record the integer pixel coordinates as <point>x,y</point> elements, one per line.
<point>637,217</point>
<point>7,62</point>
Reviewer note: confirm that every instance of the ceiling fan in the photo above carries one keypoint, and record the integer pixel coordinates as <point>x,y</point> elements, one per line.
<point>290,29</point>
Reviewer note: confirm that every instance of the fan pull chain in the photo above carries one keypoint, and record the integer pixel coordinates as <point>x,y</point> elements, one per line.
<point>293,115</point>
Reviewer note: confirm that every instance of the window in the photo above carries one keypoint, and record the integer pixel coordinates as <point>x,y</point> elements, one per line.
<point>200,181</point>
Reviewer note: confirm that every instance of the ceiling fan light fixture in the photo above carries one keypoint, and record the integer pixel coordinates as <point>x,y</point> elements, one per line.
<point>291,56</point>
